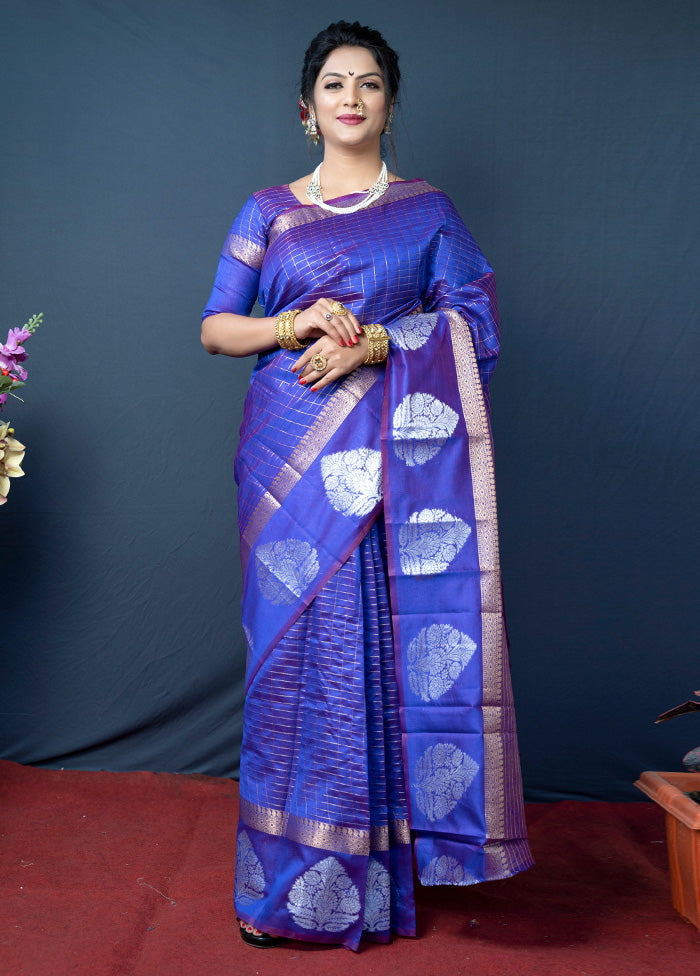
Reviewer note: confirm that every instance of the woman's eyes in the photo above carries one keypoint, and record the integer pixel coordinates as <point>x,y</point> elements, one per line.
<point>339,84</point>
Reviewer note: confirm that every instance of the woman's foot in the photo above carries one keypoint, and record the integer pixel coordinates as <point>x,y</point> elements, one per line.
<point>255,937</point>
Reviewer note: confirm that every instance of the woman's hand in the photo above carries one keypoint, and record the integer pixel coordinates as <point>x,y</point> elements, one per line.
<point>338,361</point>
<point>320,320</point>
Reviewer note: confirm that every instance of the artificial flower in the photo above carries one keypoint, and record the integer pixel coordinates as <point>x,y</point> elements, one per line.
<point>11,456</point>
<point>12,350</point>
<point>21,335</point>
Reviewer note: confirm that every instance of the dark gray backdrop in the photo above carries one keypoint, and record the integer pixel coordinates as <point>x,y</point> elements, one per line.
<point>132,132</point>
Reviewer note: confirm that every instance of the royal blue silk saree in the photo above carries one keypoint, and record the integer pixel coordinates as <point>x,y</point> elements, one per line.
<point>378,716</point>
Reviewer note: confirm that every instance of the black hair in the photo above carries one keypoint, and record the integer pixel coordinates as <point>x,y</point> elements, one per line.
<point>345,34</point>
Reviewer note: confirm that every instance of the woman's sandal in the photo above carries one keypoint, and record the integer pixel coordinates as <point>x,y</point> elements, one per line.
<point>255,937</point>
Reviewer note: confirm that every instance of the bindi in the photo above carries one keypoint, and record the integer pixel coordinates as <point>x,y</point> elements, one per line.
<point>351,73</point>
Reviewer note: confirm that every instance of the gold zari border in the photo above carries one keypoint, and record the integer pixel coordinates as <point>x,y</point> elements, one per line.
<point>501,762</point>
<point>309,213</point>
<point>245,251</point>
<point>327,837</point>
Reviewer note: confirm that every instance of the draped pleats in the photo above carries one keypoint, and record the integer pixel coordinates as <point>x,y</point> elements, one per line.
<point>323,846</point>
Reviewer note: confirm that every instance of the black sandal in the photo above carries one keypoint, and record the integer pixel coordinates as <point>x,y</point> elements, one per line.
<point>262,941</point>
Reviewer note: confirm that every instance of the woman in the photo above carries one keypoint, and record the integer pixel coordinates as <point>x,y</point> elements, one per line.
<point>378,706</point>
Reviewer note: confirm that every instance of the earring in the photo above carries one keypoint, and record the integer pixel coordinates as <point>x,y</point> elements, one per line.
<point>312,130</point>
<point>309,122</point>
<point>387,126</point>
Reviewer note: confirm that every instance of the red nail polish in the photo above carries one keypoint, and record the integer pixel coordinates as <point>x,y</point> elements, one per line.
<point>313,389</point>
<point>302,381</point>
<point>342,343</point>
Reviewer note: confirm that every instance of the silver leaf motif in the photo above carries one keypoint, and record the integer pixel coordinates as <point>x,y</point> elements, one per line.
<point>413,331</point>
<point>250,877</point>
<point>353,480</point>
<point>445,871</point>
<point>422,424</point>
<point>437,655</point>
<point>430,540</point>
<point>324,898</point>
<point>440,777</point>
<point>285,569</point>
<point>377,898</point>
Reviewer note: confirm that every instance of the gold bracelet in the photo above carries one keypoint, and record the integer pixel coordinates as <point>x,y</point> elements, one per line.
<point>284,330</point>
<point>377,344</point>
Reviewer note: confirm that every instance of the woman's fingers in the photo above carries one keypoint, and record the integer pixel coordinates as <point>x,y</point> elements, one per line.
<point>316,326</point>
<point>314,370</point>
<point>324,362</point>
<point>304,359</point>
<point>345,324</point>
<point>328,317</point>
<point>325,380</point>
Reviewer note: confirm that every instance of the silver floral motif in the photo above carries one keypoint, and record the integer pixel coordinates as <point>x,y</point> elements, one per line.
<point>437,655</point>
<point>353,480</point>
<point>430,540</point>
<point>377,898</point>
<point>324,898</point>
<point>413,331</point>
<point>285,569</point>
<point>422,424</point>
<point>445,870</point>
<point>250,877</point>
<point>440,777</point>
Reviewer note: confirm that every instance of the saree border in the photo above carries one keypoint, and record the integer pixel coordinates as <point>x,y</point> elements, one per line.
<point>305,213</point>
<point>245,251</point>
<point>501,763</point>
<point>327,837</point>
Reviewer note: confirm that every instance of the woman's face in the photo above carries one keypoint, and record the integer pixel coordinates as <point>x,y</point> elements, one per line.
<point>348,74</point>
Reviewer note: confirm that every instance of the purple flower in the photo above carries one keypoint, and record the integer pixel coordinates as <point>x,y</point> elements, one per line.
<point>12,347</point>
<point>12,353</point>
<point>11,363</point>
<point>20,335</point>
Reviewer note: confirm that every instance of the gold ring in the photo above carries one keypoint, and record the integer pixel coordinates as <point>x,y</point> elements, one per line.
<point>337,308</point>
<point>319,362</point>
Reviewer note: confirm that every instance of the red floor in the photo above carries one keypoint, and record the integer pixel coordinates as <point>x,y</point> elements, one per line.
<point>129,874</point>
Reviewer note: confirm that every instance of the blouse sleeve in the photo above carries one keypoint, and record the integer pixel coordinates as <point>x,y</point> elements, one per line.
<point>238,275</point>
<point>461,280</point>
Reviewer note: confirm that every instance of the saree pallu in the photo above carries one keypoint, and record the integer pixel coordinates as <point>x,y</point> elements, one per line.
<point>378,708</point>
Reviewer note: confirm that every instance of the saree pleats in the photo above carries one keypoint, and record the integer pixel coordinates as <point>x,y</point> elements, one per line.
<point>323,844</point>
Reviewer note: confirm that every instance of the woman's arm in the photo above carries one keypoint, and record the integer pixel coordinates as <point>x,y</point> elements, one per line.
<point>239,335</point>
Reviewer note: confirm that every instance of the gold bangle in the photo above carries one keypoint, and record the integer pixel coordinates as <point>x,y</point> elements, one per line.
<point>377,344</point>
<point>284,330</point>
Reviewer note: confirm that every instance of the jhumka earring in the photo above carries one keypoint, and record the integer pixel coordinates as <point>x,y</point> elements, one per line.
<point>387,127</point>
<point>308,120</point>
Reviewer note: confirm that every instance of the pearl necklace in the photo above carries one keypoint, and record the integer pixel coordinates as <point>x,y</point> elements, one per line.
<point>314,194</point>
